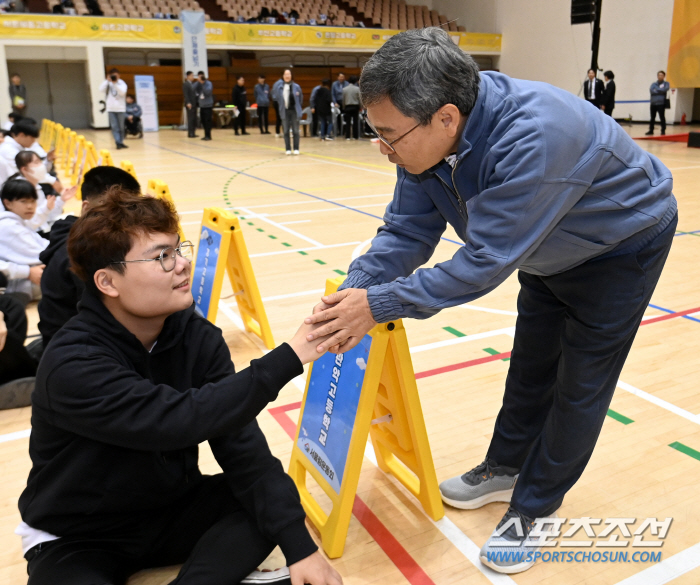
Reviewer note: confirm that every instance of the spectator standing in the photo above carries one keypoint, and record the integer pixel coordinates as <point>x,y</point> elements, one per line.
<point>262,99</point>
<point>323,108</point>
<point>314,115</point>
<point>608,104</point>
<point>337,94</point>
<point>133,116</point>
<point>593,89</point>
<point>190,97</point>
<point>659,96</point>
<point>276,88</point>
<point>18,95</point>
<point>205,97</point>
<point>291,101</point>
<point>115,99</point>
<point>351,107</point>
<point>239,98</point>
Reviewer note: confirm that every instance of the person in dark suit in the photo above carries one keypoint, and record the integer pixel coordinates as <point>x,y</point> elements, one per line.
<point>190,97</point>
<point>608,103</point>
<point>593,89</point>
<point>239,98</point>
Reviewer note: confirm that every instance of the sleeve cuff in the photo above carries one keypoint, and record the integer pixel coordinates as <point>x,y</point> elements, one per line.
<point>384,303</point>
<point>296,542</point>
<point>281,366</point>
<point>358,279</point>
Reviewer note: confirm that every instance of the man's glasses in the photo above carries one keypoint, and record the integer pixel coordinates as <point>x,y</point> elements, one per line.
<point>384,140</point>
<point>168,256</point>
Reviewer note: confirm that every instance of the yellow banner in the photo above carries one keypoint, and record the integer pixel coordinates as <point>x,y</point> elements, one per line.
<point>684,50</point>
<point>90,28</point>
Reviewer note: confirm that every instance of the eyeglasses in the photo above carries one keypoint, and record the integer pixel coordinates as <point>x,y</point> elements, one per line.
<point>168,256</point>
<point>384,140</point>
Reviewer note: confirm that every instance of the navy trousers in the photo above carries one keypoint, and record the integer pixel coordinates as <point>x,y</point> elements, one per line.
<point>572,336</point>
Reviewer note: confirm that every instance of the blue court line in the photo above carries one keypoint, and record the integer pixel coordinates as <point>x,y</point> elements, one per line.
<point>670,311</point>
<point>686,233</point>
<point>281,186</point>
<point>631,102</point>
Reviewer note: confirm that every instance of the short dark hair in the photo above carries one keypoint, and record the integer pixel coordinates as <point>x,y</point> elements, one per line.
<point>131,95</point>
<point>200,73</point>
<point>609,74</point>
<point>326,82</point>
<point>261,76</point>
<point>5,133</point>
<point>352,79</point>
<point>106,232</point>
<point>660,71</point>
<point>99,180</point>
<point>188,74</point>
<point>341,73</point>
<point>13,116</point>
<point>15,75</point>
<point>26,128</point>
<point>114,70</point>
<point>591,69</point>
<point>16,189</point>
<point>239,77</point>
<point>24,157</point>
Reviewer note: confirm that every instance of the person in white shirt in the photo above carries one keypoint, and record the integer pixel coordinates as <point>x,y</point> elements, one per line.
<point>19,243</point>
<point>49,208</point>
<point>115,99</point>
<point>23,136</point>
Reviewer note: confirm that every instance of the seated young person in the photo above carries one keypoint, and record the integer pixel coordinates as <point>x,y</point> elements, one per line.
<point>133,116</point>
<point>19,243</point>
<point>125,392</point>
<point>17,367</point>
<point>61,289</point>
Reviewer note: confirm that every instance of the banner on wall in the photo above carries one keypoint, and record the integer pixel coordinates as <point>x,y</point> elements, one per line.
<point>194,42</point>
<point>62,27</point>
<point>146,98</point>
<point>684,50</point>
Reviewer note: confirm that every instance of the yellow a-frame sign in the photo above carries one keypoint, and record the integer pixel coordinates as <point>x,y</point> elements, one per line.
<point>389,411</point>
<point>222,249</point>
<point>158,189</point>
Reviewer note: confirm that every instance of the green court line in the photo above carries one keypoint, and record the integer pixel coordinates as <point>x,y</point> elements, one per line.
<point>303,253</point>
<point>454,332</point>
<point>687,233</point>
<point>491,351</point>
<point>286,244</point>
<point>320,262</point>
<point>272,237</point>
<point>685,449</point>
<point>250,223</point>
<point>261,230</point>
<point>340,272</point>
<point>619,417</point>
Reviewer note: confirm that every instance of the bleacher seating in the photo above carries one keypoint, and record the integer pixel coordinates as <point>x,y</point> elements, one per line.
<point>309,10</point>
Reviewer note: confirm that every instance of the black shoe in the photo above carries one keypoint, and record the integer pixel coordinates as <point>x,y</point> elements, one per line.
<point>663,133</point>
<point>140,134</point>
<point>121,145</point>
<point>193,136</point>
<point>17,393</point>
<point>650,133</point>
<point>245,133</point>
<point>236,133</point>
<point>207,138</point>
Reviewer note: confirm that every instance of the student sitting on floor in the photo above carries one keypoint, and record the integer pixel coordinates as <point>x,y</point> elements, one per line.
<point>132,122</point>
<point>61,289</point>
<point>125,392</point>
<point>19,243</point>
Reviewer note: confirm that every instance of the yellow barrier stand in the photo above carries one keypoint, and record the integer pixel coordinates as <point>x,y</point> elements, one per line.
<point>45,133</point>
<point>223,249</point>
<point>78,159</point>
<point>105,158</point>
<point>129,168</point>
<point>159,189</point>
<point>71,145</point>
<point>62,147</point>
<point>389,411</point>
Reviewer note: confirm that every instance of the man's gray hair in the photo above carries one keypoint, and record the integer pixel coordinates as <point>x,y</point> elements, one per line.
<point>420,71</point>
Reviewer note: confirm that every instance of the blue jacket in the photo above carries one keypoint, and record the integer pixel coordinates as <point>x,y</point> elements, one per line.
<point>276,88</point>
<point>658,93</point>
<point>546,182</point>
<point>262,94</point>
<point>133,110</point>
<point>298,97</point>
<point>337,91</point>
<point>205,93</point>
<point>312,97</point>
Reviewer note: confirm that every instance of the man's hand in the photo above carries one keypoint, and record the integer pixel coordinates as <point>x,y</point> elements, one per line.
<point>36,272</point>
<point>347,321</point>
<point>189,106</point>
<point>69,193</point>
<point>314,570</point>
<point>51,155</point>
<point>130,118</point>
<point>3,337</point>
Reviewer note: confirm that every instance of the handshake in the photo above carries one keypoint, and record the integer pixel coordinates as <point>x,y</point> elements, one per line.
<point>337,324</point>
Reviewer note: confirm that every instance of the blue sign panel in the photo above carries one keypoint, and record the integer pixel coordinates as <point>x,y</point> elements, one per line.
<point>330,409</point>
<point>205,269</point>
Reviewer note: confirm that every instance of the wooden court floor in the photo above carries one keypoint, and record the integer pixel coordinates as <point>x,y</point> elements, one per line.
<point>305,217</point>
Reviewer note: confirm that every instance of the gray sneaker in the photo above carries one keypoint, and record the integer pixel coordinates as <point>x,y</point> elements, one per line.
<point>487,482</point>
<point>512,546</point>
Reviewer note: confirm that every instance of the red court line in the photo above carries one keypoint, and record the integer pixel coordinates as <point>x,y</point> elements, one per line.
<point>387,542</point>
<point>671,316</point>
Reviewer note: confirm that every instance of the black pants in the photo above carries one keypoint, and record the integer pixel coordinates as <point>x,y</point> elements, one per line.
<point>661,109</point>
<point>352,121</point>
<point>608,111</point>
<point>314,124</point>
<point>15,362</point>
<point>191,120</point>
<point>216,540</point>
<point>240,121</point>
<point>263,112</point>
<point>133,126</point>
<point>572,336</point>
<point>206,115</point>
<point>278,118</point>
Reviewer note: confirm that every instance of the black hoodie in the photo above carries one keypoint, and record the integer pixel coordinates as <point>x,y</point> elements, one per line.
<point>60,288</point>
<point>115,428</point>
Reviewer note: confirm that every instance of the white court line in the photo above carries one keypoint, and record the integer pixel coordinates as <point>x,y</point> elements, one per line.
<point>683,168</point>
<point>291,251</point>
<point>14,436</point>
<point>457,340</point>
<point>659,402</point>
<point>487,310</point>
<point>297,221</point>
<point>303,293</point>
<point>238,322</point>
<point>357,252</point>
<point>328,162</point>
<point>311,201</point>
<point>280,226</point>
<point>334,208</point>
<point>668,569</point>
<point>191,223</point>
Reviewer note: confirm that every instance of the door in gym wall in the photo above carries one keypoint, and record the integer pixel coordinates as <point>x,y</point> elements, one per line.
<point>55,90</point>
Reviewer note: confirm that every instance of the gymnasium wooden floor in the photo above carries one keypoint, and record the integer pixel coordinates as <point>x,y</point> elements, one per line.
<point>305,217</point>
